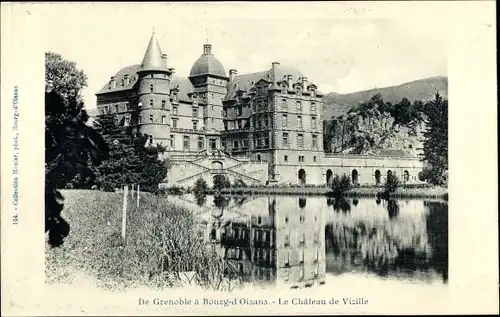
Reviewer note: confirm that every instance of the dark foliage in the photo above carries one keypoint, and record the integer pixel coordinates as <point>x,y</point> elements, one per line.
<point>436,142</point>
<point>130,160</point>
<point>70,145</point>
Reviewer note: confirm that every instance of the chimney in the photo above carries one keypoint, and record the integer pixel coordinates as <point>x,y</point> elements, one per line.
<point>290,83</point>
<point>127,79</point>
<point>112,83</point>
<point>232,74</point>
<point>304,82</point>
<point>207,49</point>
<point>274,74</point>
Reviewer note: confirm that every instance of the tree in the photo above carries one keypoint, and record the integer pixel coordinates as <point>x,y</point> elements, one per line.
<point>436,141</point>
<point>70,145</point>
<point>130,160</point>
<point>66,79</point>
<point>391,184</point>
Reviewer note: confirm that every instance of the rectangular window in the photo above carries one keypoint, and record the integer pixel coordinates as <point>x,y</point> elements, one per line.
<point>186,142</point>
<point>195,125</point>
<point>195,113</point>
<point>172,141</point>
<point>284,104</point>
<point>314,158</point>
<point>240,111</point>
<point>266,142</point>
<point>211,120</point>
<point>236,124</point>
<point>266,122</point>
<point>150,118</point>
<point>235,144</point>
<point>139,119</point>
<point>313,107</point>
<point>163,119</point>
<point>127,121</point>
<point>151,102</point>
<point>163,104</point>
<point>117,108</point>
<point>245,144</point>
<point>314,141</point>
<point>285,158</point>
<point>225,126</point>
<point>299,122</point>
<point>284,121</point>
<point>285,140</point>
<point>300,141</point>
<point>174,110</point>
<point>213,144</point>
<point>298,105</point>
<point>174,123</point>
<point>201,143</point>
<point>313,123</point>
<point>151,87</point>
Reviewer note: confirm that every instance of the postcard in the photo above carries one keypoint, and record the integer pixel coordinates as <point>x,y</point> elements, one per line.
<point>239,158</point>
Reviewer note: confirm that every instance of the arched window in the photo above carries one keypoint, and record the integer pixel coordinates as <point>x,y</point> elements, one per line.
<point>302,177</point>
<point>355,177</point>
<point>377,177</point>
<point>151,88</point>
<point>406,176</point>
<point>329,177</point>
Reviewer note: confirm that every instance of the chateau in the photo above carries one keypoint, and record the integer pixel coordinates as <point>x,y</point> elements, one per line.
<point>258,128</point>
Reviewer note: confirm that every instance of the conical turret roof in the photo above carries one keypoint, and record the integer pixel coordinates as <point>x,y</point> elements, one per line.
<point>153,57</point>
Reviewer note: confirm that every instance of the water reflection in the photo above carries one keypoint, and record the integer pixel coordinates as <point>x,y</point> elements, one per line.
<point>298,241</point>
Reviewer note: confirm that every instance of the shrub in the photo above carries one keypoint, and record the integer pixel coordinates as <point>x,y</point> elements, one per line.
<point>391,184</point>
<point>340,184</point>
<point>221,181</point>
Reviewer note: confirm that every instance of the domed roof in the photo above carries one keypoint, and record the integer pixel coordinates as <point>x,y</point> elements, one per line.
<point>207,64</point>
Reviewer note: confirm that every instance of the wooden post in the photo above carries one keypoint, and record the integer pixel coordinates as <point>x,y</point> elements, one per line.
<point>138,197</point>
<point>124,211</point>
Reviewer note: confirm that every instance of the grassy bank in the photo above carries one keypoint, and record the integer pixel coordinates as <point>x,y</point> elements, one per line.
<point>363,191</point>
<point>161,244</point>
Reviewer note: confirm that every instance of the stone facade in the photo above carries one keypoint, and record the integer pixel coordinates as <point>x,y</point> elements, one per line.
<point>263,127</point>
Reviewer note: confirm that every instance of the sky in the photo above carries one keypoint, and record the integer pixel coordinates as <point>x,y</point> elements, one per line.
<point>341,48</point>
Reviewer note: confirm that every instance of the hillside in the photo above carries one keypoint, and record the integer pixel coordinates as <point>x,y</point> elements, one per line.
<point>423,89</point>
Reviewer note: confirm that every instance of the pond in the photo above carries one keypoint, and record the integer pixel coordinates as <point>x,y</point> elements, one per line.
<point>307,241</point>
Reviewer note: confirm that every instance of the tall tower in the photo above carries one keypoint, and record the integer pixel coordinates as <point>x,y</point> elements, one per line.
<point>153,92</point>
<point>210,82</point>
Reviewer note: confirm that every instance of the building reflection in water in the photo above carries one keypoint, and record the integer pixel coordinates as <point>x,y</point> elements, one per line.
<point>297,241</point>
<point>281,244</point>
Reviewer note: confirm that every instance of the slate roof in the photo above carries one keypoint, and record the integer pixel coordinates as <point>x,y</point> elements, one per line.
<point>153,56</point>
<point>185,86</point>
<point>245,82</point>
<point>207,64</point>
